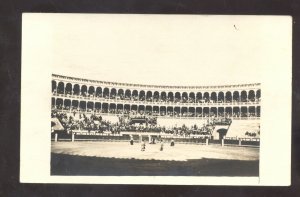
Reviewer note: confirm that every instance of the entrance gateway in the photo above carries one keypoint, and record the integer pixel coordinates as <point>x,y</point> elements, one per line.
<point>151,138</point>
<point>221,127</point>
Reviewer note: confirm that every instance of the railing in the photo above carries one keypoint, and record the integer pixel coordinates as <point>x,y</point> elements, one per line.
<point>145,102</point>
<point>160,116</point>
<point>126,136</point>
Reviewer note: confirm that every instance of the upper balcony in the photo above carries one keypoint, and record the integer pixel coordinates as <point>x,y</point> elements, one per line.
<point>74,88</point>
<point>166,102</point>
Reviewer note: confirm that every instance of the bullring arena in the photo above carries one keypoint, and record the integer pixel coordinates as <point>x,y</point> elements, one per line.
<point>99,128</point>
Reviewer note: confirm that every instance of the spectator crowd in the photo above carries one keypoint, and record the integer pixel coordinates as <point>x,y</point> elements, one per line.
<point>97,124</point>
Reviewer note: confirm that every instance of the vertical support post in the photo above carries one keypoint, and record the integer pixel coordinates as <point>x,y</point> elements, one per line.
<point>78,106</point>
<point>79,90</point>
<point>108,106</point>
<point>180,110</point>
<point>55,137</point>
<point>93,109</point>
<point>206,141</point>
<point>56,87</point>
<point>159,108</point>
<point>72,89</point>
<point>149,136</point>
<point>109,94</point>
<point>240,142</point>
<point>73,137</point>
<point>222,143</point>
<point>70,107</point>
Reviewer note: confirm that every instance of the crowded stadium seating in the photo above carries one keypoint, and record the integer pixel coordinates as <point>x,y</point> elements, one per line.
<point>168,122</point>
<point>89,106</point>
<point>238,128</point>
<point>56,124</point>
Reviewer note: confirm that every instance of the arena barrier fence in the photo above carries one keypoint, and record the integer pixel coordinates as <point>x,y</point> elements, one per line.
<point>106,137</point>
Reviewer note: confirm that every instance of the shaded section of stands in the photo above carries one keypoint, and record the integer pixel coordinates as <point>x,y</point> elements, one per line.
<point>56,125</point>
<point>241,127</point>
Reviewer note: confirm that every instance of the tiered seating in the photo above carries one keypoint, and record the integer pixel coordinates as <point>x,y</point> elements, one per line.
<point>238,128</point>
<point>168,122</point>
<point>57,126</point>
<point>112,119</point>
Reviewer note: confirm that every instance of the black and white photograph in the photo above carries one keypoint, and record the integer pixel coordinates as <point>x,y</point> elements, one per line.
<point>155,97</point>
<point>111,128</point>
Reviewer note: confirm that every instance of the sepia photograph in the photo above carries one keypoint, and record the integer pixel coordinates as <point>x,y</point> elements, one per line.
<point>156,96</point>
<point>111,128</point>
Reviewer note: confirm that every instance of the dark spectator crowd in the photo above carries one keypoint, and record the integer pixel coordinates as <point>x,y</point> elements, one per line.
<point>96,123</point>
<point>252,134</point>
<point>92,123</point>
<point>195,130</point>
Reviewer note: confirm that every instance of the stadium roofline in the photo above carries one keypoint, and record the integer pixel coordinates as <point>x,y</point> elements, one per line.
<point>155,86</point>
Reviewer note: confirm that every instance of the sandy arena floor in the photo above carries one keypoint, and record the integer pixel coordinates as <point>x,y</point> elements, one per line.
<point>180,152</point>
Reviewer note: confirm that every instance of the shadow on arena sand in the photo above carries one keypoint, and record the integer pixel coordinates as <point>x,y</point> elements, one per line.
<point>70,165</point>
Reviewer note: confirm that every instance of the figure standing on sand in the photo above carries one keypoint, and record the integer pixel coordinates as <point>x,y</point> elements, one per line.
<point>161,145</point>
<point>143,145</point>
<point>131,140</point>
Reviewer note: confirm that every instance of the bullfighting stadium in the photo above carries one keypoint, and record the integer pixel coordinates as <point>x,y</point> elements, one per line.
<point>110,128</point>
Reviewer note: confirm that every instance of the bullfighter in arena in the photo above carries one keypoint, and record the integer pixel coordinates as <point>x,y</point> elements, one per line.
<point>161,145</point>
<point>143,145</point>
<point>131,140</point>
